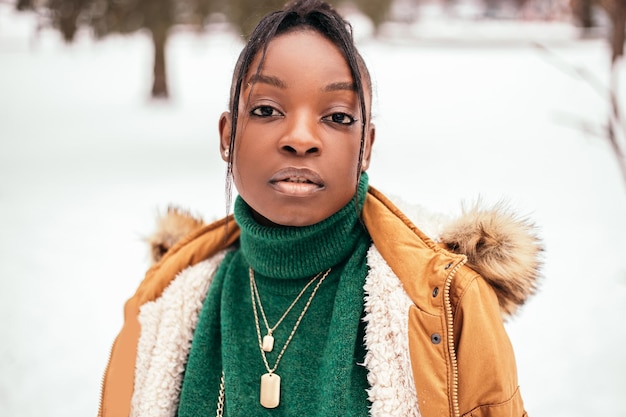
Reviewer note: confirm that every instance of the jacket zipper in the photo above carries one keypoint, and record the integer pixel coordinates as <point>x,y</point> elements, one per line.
<point>451,348</point>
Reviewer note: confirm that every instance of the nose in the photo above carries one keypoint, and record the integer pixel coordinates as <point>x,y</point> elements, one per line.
<point>300,138</point>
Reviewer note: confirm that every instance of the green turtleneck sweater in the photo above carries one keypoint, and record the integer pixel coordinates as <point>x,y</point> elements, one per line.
<point>321,370</point>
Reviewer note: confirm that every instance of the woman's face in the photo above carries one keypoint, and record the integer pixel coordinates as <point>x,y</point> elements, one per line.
<point>298,133</point>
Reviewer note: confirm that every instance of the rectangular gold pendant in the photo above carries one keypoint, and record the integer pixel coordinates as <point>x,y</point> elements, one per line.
<point>270,390</point>
<point>268,343</point>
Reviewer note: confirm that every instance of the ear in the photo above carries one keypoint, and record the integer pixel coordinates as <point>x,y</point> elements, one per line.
<point>370,136</point>
<point>225,127</point>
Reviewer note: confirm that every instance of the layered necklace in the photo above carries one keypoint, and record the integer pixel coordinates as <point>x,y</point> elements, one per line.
<point>270,382</point>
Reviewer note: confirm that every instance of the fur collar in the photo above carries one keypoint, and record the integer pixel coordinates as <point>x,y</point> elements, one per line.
<point>499,244</point>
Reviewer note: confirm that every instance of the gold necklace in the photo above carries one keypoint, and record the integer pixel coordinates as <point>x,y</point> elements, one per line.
<point>270,382</point>
<point>268,339</point>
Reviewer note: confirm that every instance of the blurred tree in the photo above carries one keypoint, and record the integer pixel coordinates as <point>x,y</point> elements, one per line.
<point>616,131</point>
<point>583,13</point>
<point>158,17</point>
<point>615,128</point>
<point>616,10</point>
<point>127,16</point>
<point>376,10</point>
<point>24,5</point>
<point>245,14</point>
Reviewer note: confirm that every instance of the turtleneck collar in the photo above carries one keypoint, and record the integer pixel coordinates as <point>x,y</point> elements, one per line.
<point>299,252</point>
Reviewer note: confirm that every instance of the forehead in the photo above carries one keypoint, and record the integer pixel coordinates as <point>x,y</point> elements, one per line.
<point>297,53</point>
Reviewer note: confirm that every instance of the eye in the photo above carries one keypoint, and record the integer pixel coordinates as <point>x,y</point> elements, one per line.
<point>265,111</point>
<point>340,118</point>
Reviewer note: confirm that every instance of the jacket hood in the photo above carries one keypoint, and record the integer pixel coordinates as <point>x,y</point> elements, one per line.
<point>171,227</point>
<point>501,246</point>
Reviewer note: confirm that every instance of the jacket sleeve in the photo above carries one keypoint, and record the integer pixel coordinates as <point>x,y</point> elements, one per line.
<point>487,373</point>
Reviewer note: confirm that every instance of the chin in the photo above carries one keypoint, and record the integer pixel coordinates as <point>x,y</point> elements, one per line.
<point>291,220</point>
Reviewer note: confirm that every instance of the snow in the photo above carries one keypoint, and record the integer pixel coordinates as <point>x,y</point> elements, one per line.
<point>86,161</point>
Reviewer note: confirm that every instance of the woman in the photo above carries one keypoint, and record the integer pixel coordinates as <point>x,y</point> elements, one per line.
<point>319,296</point>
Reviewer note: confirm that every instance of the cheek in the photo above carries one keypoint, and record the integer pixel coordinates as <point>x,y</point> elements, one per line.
<point>249,162</point>
<point>254,136</point>
<point>347,155</point>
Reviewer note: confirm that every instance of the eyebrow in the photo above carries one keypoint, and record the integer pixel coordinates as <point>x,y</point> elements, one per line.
<point>345,85</point>
<point>266,79</point>
<point>277,82</point>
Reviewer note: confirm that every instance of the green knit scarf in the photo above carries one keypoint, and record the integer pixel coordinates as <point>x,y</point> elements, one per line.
<point>321,368</point>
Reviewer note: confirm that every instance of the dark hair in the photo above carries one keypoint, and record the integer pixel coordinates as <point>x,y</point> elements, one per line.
<point>314,15</point>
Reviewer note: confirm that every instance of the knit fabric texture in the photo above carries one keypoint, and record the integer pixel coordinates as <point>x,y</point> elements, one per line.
<point>321,370</point>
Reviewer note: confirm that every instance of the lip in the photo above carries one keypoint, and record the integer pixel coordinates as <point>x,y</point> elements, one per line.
<point>297,182</point>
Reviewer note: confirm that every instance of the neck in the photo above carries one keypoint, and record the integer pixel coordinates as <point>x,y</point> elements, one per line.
<point>299,252</point>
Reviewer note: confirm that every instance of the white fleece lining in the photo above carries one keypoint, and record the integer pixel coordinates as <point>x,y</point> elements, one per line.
<point>167,327</point>
<point>392,388</point>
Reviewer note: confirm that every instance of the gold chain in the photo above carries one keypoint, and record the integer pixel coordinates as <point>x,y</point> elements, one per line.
<point>295,327</point>
<point>270,331</point>
<point>220,398</point>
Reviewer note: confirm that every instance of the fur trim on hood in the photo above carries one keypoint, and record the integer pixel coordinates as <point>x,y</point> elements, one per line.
<point>502,247</point>
<point>171,227</point>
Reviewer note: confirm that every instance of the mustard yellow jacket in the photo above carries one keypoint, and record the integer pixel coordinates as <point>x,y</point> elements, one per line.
<point>460,358</point>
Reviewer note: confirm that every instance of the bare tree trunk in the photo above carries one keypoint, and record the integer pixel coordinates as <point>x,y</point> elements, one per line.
<point>618,20</point>
<point>583,12</point>
<point>159,86</point>
<point>24,5</point>
<point>617,130</point>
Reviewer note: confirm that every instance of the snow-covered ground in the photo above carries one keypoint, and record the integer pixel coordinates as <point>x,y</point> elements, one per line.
<point>86,161</point>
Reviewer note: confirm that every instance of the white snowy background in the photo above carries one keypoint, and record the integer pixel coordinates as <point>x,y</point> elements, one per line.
<point>87,161</point>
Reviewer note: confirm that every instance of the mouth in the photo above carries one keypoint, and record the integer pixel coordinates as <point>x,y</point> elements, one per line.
<point>297,181</point>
